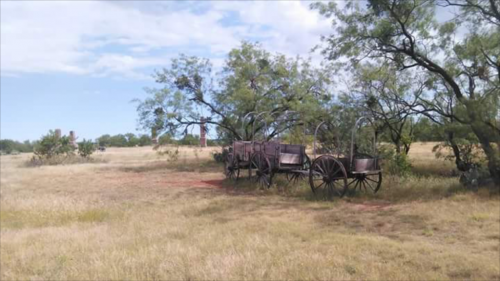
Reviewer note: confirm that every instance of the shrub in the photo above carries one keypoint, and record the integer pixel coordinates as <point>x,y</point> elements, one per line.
<point>172,153</point>
<point>86,148</point>
<point>54,150</point>
<point>50,145</point>
<point>469,150</point>
<point>220,157</point>
<point>9,146</point>
<point>166,139</point>
<point>395,163</point>
<point>189,139</point>
<point>61,160</point>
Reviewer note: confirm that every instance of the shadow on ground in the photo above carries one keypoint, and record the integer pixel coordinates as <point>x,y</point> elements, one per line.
<point>192,166</point>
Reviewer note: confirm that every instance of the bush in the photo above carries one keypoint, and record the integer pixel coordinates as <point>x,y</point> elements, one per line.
<point>50,145</point>
<point>145,140</point>
<point>61,160</point>
<point>8,146</point>
<point>189,139</point>
<point>395,163</point>
<point>220,157</point>
<point>54,150</point>
<point>172,153</point>
<point>469,149</point>
<point>86,148</point>
<point>166,139</point>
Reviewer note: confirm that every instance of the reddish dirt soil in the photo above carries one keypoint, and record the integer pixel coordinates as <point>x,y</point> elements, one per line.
<point>372,206</point>
<point>193,183</point>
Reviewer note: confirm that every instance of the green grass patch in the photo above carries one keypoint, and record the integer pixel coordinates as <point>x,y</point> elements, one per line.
<point>479,217</point>
<point>17,219</point>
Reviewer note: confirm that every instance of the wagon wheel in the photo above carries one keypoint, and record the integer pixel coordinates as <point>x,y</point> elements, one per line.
<point>328,177</point>
<point>231,167</point>
<point>296,177</point>
<point>366,182</point>
<point>264,173</point>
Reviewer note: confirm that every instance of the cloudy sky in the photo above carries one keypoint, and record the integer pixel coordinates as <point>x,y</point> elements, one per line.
<point>77,65</point>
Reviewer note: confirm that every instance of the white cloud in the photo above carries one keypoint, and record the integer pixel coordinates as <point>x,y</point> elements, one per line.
<point>288,27</point>
<point>106,38</point>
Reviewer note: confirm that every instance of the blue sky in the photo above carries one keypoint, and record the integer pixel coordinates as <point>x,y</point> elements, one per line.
<point>77,65</point>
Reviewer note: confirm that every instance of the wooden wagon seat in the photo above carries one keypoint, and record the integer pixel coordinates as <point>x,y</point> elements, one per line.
<point>366,166</point>
<point>292,154</point>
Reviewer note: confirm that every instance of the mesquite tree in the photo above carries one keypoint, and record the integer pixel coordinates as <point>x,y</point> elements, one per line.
<point>251,80</point>
<point>408,35</point>
<point>387,96</point>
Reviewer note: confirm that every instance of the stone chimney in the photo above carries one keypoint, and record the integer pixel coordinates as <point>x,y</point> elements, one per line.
<point>58,133</point>
<point>72,138</point>
<point>154,136</point>
<point>203,132</point>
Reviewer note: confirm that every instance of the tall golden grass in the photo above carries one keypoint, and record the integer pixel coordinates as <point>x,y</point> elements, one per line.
<point>138,216</point>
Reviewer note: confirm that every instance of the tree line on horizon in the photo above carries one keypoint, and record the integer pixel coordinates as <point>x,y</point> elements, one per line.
<point>424,131</point>
<point>8,146</point>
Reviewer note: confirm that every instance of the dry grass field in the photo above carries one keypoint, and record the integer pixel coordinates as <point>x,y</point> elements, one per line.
<point>138,216</point>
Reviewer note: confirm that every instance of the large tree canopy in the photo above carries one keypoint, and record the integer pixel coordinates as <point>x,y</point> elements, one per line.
<point>251,80</point>
<point>460,56</point>
<point>384,94</point>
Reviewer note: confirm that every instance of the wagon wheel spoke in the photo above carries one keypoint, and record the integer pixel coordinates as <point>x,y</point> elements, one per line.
<point>231,168</point>
<point>332,167</point>
<point>356,185</point>
<point>255,164</point>
<point>335,189</point>
<point>264,180</point>
<point>371,180</point>
<point>338,170</point>
<point>320,167</point>
<point>328,165</point>
<point>296,177</point>
<point>368,183</point>
<point>353,181</point>
<point>319,186</point>
<point>325,192</point>
<point>364,186</point>
<point>377,179</point>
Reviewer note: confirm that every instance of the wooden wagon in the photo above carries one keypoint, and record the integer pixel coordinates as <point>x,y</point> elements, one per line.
<point>267,158</point>
<point>238,158</point>
<point>273,157</point>
<point>331,175</point>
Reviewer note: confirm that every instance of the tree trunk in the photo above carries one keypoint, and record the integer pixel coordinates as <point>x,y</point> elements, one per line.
<point>397,142</point>
<point>461,165</point>
<point>492,154</point>
<point>486,137</point>
<point>407,148</point>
